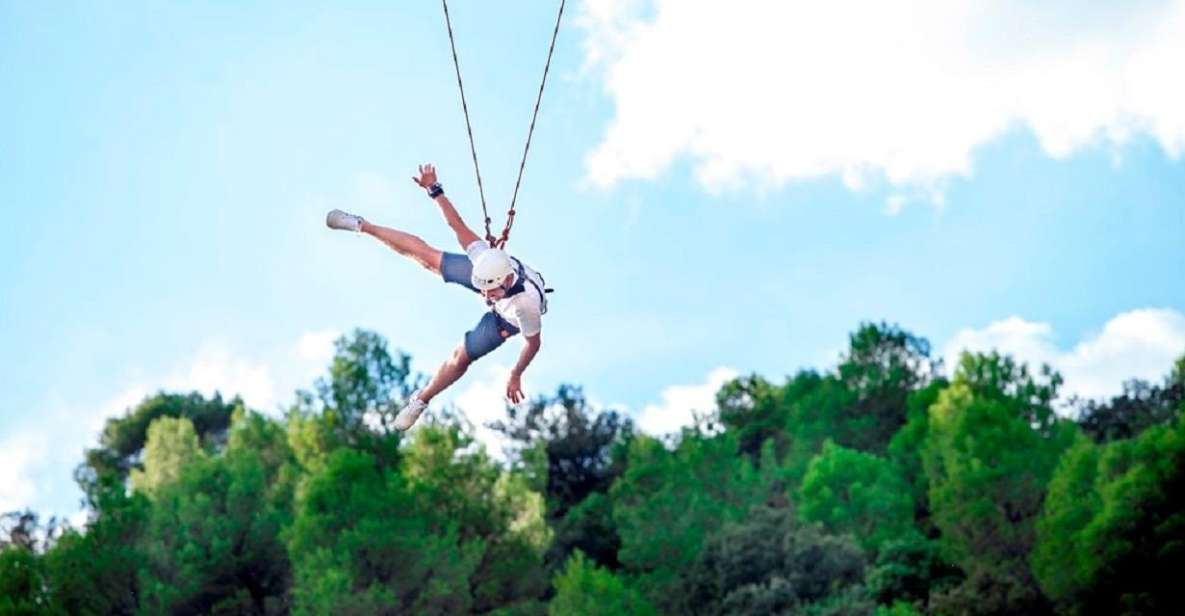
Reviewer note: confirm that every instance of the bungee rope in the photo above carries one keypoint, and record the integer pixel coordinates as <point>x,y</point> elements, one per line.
<point>490,239</point>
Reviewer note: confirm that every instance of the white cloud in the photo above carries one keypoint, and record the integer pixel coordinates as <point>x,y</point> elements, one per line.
<point>21,455</point>
<point>215,369</point>
<point>34,467</point>
<point>777,91</point>
<point>36,470</point>
<point>78,519</point>
<point>317,346</point>
<point>1137,344</point>
<point>680,403</point>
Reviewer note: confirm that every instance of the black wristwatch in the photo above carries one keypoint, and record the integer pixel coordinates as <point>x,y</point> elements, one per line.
<point>435,190</point>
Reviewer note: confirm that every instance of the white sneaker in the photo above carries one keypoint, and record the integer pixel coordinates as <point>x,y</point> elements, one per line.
<point>338,219</point>
<point>410,413</point>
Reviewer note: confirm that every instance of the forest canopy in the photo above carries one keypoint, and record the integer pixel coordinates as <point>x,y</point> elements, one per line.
<point>888,484</point>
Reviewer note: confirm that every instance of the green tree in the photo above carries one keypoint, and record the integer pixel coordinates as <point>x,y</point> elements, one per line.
<point>819,411</point>
<point>212,542</point>
<point>755,410</point>
<point>909,569</point>
<point>450,476</point>
<point>22,583</point>
<point>466,491</point>
<point>1060,558</point>
<point>361,545</point>
<point>884,364</point>
<point>861,405</point>
<point>905,450</point>
<point>172,445</point>
<point>864,403</point>
<point>1140,406</point>
<point>356,404</point>
<point>577,440</point>
<point>95,573</point>
<point>446,533</point>
<point>667,502</point>
<point>571,453</point>
<point>583,589</point>
<point>968,497</point>
<point>769,563</point>
<point>123,438</point>
<point>588,526</point>
<point>365,378</point>
<point>992,446</point>
<point>899,608</point>
<point>1112,534</point>
<point>858,494</point>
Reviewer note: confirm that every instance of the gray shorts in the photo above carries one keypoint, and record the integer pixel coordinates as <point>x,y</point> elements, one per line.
<point>492,330</point>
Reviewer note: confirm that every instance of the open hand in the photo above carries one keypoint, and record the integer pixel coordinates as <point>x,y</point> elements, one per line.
<point>514,389</point>
<point>427,176</point>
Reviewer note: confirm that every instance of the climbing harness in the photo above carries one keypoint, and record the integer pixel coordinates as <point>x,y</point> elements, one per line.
<point>519,285</point>
<point>490,239</point>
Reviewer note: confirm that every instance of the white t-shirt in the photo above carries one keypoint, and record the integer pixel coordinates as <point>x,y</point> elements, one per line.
<point>524,310</point>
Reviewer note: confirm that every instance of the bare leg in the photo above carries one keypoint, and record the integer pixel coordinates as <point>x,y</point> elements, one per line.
<point>449,372</point>
<point>406,244</point>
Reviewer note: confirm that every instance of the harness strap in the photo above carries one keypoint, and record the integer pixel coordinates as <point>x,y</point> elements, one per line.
<point>519,285</point>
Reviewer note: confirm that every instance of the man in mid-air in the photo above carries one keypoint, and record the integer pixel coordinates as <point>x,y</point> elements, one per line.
<point>514,292</point>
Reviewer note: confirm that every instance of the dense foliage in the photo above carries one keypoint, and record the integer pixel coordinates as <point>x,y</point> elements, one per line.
<point>883,486</point>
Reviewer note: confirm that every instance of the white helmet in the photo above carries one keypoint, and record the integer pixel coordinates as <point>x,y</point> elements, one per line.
<point>490,268</point>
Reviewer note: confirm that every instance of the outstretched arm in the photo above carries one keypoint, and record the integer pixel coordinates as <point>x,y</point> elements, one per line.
<point>514,387</point>
<point>465,235</point>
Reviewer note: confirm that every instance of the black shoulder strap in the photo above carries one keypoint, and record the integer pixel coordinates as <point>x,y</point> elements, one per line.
<point>520,285</point>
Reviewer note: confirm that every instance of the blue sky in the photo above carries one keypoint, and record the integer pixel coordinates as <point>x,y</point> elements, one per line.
<point>166,168</point>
